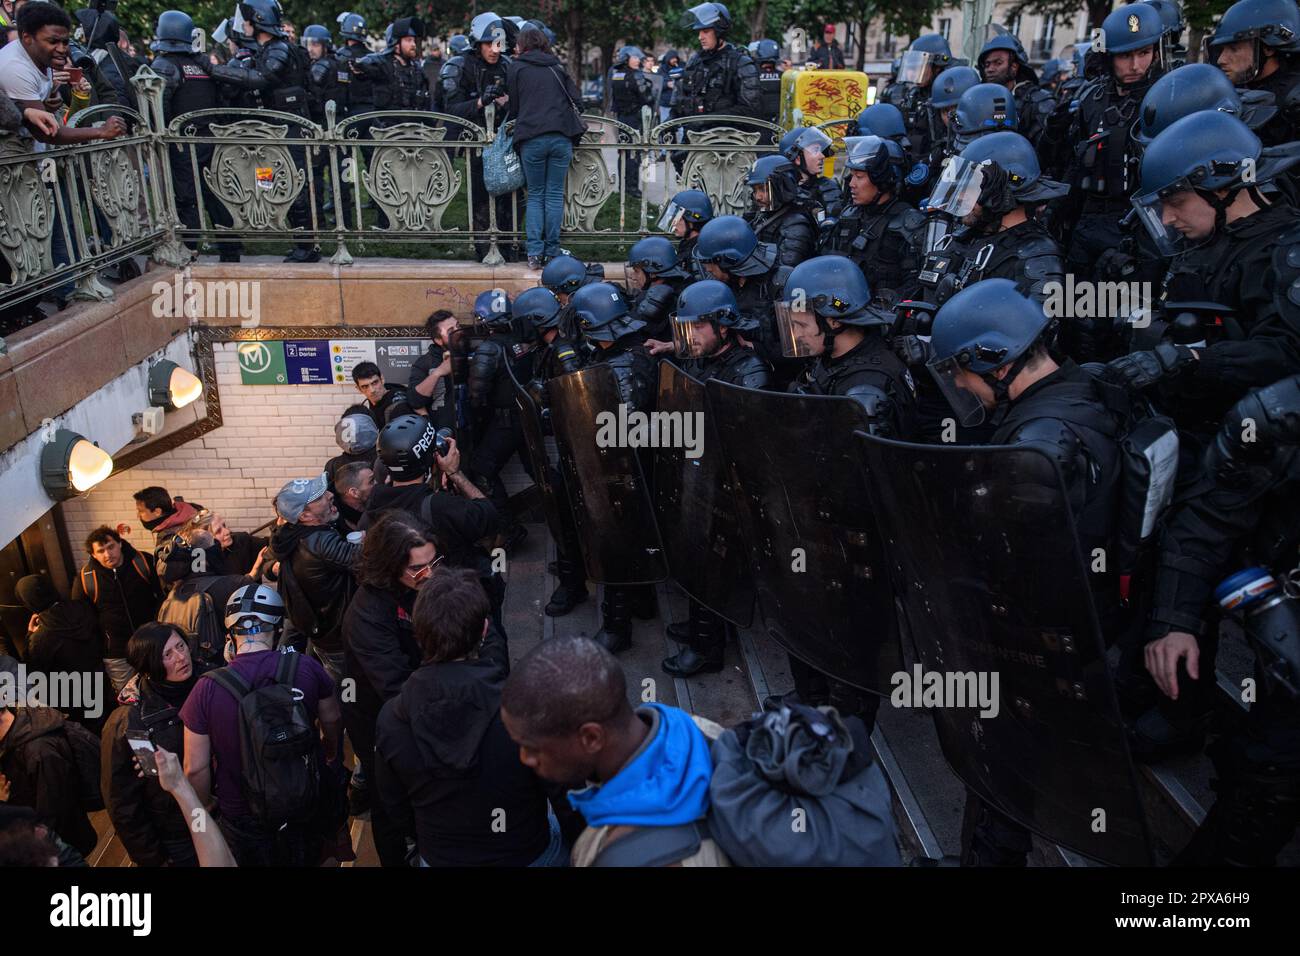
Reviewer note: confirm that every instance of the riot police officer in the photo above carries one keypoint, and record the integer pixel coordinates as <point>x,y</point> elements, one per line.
<point>358,90</point>
<point>1072,84</point>
<point>826,313</point>
<point>1002,60</point>
<point>705,327</point>
<point>1243,514</point>
<point>721,78</point>
<point>614,338</point>
<point>1093,144</point>
<point>927,57</point>
<point>322,87</point>
<point>990,356</point>
<point>1256,44</point>
<point>431,66</point>
<point>1204,189</point>
<point>565,275</point>
<point>654,278</point>
<point>469,84</point>
<point>188,86</point>
<point>278,75</point>
<point>395,73</point>
<point>506,351</point>
<point>945,94</point>
<point>998,235</point>
<point>729,251</point>
<point>807,148</point>
<point>884,120</point>
<point>767,56</point>
<point>1173,53</point>
<point>878,231</point>
<point>779,213</point>
<point>983,109</point>
<point>685,215</point>
<point>1055,72</point>
<point>629,91</point>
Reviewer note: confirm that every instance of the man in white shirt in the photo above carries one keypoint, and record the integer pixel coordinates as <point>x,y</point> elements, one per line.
<point>31,68</point>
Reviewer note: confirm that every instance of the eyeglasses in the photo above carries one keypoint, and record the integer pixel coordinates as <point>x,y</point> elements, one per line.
<point>422,571</point>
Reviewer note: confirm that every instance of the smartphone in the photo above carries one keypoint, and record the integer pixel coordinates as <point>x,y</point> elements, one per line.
<point>143,749</point>
<point>74,75</point>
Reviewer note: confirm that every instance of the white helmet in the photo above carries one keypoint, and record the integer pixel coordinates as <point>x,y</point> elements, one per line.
<point>254,608</point>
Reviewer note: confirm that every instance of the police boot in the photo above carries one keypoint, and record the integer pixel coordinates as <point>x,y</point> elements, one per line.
<point>641,597</point>
<point>571,592</point>
<point>1253,818</point>
<point>990,838</point>
<point>303,253</point>
<point>615,634</point>
<point>1155,736</point>
<point>704,646</point>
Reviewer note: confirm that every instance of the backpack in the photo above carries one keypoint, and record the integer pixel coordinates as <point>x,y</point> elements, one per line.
<point>85,748</point>
<point>190,609</point>
<point>90,580</point>
<point>278,743</point>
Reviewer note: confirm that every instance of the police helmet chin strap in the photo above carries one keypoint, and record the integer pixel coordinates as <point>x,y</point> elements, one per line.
<point>1220,206</point>
<point>1002,386</point>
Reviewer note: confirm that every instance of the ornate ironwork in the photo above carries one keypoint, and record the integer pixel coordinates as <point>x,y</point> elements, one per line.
<point>26,217</point>
<point>587,185</point>
<point>257,183</point>
<point>720,172</point>
<point>411,179</point>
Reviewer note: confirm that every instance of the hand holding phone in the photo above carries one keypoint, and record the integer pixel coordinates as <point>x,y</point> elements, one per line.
<point>74,75</point>
<point>143,749</point>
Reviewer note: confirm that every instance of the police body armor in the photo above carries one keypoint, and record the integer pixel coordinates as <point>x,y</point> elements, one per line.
<point>696,503</point>
<point>533,424</point>
<point>496,360</point>
<point>558,358</point>
<point>885,240</point>
<point>187,85</point>
<point>1034,105</point>
<point>769,86</point>
<point>629,91</point>
<point>609,495</point>
<point>324,86</point>
<point>872,375</point>
<point>465,78</point>
<point>653,305</point>
<point>792,228</point>
<point>1007,594</point>
<point>1105,163</point>
<point>1026,254</point>
<point>736,366</point>
<point>358,89</point>
<point>277,76</point>
<point>719,81</point>
<point>824,196</point>
<point>1284,84</point>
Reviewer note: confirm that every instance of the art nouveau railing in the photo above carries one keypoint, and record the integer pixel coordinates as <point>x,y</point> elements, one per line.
<point>266,177</point>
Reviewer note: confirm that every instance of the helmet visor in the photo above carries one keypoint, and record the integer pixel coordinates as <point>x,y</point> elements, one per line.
<point>958,188</point>
<point>966,405</point>
<point>798,332</point>
<point>913,66</point>
<point>668,218</point>
<point>1150,210</point>
<point>688,338</point>
<point>634,277</point>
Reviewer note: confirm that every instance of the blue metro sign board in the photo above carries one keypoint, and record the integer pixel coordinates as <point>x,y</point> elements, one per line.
<point>308,362</point>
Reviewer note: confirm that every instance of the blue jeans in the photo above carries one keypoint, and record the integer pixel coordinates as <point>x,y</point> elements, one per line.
<point>546,161</point>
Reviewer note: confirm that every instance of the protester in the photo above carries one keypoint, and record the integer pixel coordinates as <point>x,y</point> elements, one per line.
<point>145,817</point>
<point>162,514</point>
<point>543,103</point>
<point>565,705</point>
<point>445,765</point>
<point>64,638</point>
<point>123,586</point>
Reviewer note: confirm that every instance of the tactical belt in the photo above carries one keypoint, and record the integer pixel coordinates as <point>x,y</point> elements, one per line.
<point>655,846</point>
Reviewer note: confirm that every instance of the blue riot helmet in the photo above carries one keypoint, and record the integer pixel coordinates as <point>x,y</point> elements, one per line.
<point>174,33</point>
<point>1135,26</point>
<point>978,331</point>
<point>729,243</point>
<point>777,176</point>
<point>539,307</point>
<point>818,290</point>
<point>317,33</point>
<point>352,26</point>
<point>487,28</point>
<point>1202,153</point>
<point>707,16</point>
<point>1189,89</point>
<point>766,50</point>
<point>492,308</point>
<point>602,313</point>
<point>1272,24</point>
<point>807,148</point>
<point>264,15</point>
<point>1016,155</point>
<point>984,108</point>
<point>1020,66</point>
<point>880,119</point>
<point>626,53</point>
<point>949,86</point>
<point>881,159</point>
<point>706,303</point>
<point>459,44</point>
<point>928,52</point>
<point>563,275</point>
<point>691,206</point>
<point>653,257</point>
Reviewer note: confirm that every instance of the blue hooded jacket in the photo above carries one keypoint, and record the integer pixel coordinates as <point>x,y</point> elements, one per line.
<point>666,784</point>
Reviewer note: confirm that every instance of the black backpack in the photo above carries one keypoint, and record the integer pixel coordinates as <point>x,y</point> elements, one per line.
<point>278,743</point>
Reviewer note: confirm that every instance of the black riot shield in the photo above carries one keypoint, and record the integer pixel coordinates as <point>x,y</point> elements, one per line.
<point>823,592</point>
<point>695,502</point>
<point>982,548</point>
<point>605,484</point>
<point>543,469</point>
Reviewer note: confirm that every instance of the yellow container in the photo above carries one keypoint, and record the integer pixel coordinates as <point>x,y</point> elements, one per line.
<point>821,96</point>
